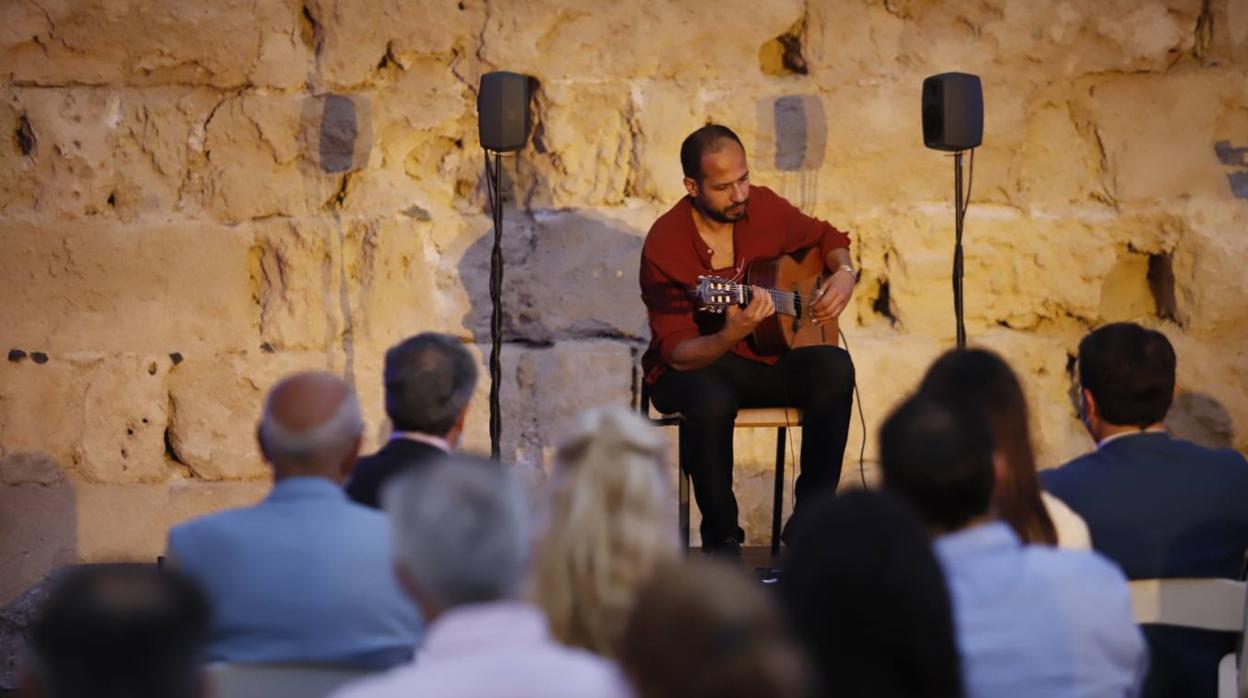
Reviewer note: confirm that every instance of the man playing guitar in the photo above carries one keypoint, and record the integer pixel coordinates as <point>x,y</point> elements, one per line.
<point>703,364</point>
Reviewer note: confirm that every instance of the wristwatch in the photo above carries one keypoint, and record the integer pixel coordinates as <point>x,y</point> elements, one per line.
<point>846,267</point>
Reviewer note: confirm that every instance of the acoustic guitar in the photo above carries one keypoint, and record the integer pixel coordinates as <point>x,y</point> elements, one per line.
<point>792,281</point>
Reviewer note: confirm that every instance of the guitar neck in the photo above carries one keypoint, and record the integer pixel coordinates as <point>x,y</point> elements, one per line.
<point>786,302</point>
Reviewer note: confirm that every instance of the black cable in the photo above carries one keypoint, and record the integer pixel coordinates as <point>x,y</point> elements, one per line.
<point>862,418</point>
<point>493,177</point>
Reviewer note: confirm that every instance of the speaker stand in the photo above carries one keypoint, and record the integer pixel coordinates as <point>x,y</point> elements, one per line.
<point>493,177</point>
<point>959,212</point>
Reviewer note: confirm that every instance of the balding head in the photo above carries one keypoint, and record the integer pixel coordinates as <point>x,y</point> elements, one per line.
<point>311,426</point>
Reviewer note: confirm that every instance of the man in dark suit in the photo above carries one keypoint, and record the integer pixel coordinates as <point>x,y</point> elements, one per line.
<point>1158,506</point>
<point>429,381</point>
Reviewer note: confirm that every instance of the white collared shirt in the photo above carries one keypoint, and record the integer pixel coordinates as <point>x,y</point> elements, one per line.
<point>1124,434</point>
<point>436,441</point>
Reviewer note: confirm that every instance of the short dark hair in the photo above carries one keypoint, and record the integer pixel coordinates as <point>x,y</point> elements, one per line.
<point>1130,372</point>
<point>938,458</point>
<point>429,380</point>
<point>704,140</point>
<point>121,631</point>
<point>867,597</point>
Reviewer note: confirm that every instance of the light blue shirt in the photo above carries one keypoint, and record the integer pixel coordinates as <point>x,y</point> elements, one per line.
<point>1037,621</point>
<point>305,575</point>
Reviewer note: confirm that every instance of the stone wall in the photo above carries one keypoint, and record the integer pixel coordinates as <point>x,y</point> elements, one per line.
<point>196,198</point>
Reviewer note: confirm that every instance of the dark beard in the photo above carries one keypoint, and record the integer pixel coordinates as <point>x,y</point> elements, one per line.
<point>719,216</point>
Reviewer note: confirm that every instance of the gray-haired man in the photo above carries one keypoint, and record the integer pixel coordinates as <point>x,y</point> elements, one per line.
<point>461,538</point>
<point>304,575</point>
<point>429,381</point>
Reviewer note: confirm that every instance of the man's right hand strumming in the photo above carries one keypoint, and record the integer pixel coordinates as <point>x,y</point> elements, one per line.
<point>742,321</point>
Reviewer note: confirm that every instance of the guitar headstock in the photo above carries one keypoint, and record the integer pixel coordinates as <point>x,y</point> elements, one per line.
<point>716,293</point>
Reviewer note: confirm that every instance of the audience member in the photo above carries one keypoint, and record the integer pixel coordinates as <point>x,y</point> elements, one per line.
<point>977,379</point>
<point>702,629</point>
<point>304,575</point>
<point>461,542</point>
<point>429,380</point>
<point>1158,506</point>
<point>119,631</point>
<point>609,527</point>
<point>867,598</point>
<point>1031,620</point>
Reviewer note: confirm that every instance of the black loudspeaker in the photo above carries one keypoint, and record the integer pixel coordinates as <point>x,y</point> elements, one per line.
<point>503,111</point>
<point>953,111</point>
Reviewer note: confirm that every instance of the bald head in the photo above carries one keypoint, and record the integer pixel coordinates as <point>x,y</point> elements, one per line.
<point>311,426</point>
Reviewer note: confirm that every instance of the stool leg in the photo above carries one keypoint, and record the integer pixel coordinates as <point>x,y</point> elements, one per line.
<point>777,504</point>
<point>682,477</point>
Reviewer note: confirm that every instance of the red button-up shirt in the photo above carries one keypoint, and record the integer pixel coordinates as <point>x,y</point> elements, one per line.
<point>674,255</point>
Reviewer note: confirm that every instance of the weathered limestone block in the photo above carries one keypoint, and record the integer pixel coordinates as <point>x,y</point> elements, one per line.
<point>325,282</point>
<point>97,418</point>
<point>1209,277</point>
<point>40,532</point>
<point>97,152</point>
<point>124,419</point>
<point>261,157</point>
<point>1211,407</point>
<point>425,151</point>
<point>132,522</point>
<point>389,266</point>
<point>664,112</point>
<point>1160,133</point>
<point>153,42</point>
<point>1041,363</point>
<point>40,420</point>
<point>1060,163</point>
<point>216,401</point>
<point>543,392</point>
<point>360,41</point>
<point>566,274</point>
<point>577,161</point>
<point>101,287</point>
<point>572,377</point>
<point>1020,271</point>
<point>1067,37</point>
<point>299,284</point>
<point>613,40</point>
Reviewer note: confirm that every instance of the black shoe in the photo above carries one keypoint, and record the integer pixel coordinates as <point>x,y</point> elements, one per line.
<point>728,548</point>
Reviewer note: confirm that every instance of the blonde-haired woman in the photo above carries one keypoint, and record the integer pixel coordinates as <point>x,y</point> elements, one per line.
<point>609,524</point>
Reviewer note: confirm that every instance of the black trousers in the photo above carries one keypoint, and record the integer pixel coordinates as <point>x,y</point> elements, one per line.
<point>818,380</point>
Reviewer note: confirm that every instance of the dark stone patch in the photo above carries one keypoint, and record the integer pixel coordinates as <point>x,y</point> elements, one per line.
<point>417,213</point>
<point>39,357</point>
<point>25,136</point>
<point>1230,155</point>
<point>267,348</point>
<point>16,355</point>
<point>310,31</point>
<point>794,61</point>
<point>1239,184</point>
<point>1161,283</point>
<point>882,305</point>
<point>176,358</point>
<point>338,133</point>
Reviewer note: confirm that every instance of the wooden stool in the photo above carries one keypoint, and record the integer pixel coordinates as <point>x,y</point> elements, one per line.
<point>779,418</point>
